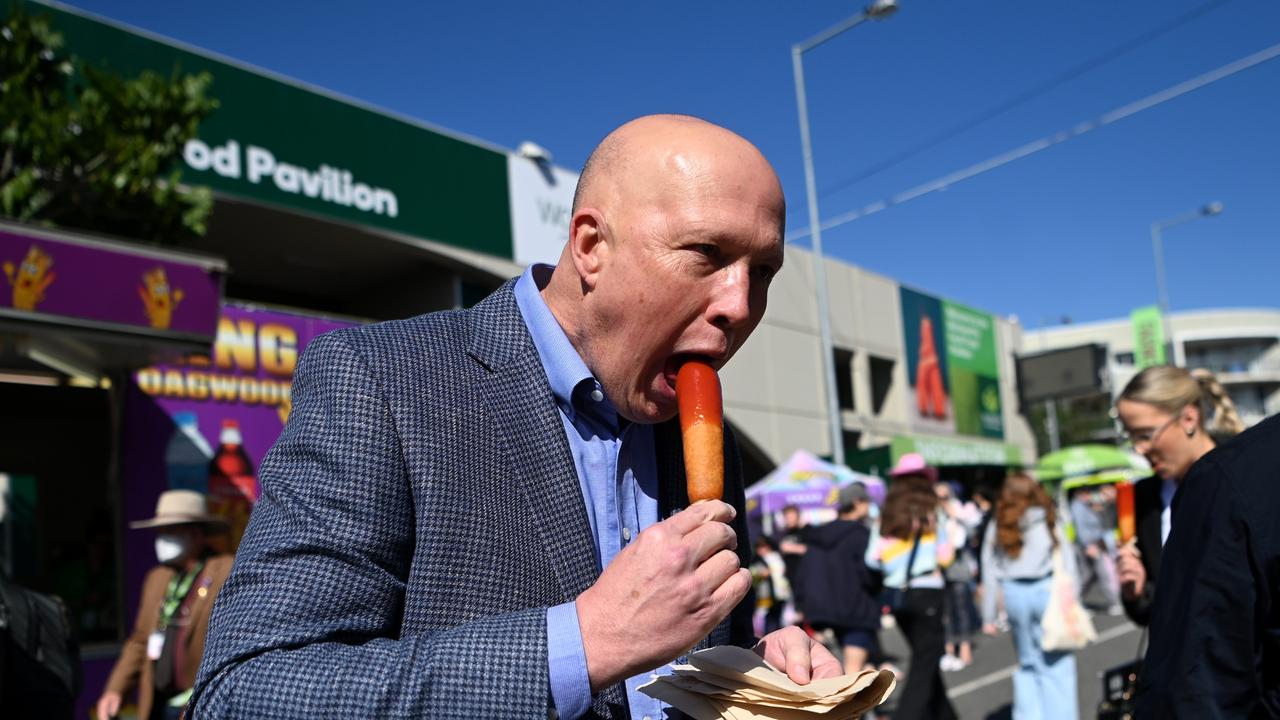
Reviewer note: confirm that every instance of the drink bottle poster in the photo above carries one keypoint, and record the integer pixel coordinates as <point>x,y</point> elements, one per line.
<point>205,423</point>
<point>953,372</point>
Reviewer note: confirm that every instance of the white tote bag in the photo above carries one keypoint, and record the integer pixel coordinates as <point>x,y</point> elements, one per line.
<point>1065,622</point>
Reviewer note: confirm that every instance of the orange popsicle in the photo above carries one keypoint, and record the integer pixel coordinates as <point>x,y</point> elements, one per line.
<point>702,425</point>
<point>1124,511</point>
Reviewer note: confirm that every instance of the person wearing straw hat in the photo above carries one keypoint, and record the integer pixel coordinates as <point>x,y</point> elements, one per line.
<point>162,654</point>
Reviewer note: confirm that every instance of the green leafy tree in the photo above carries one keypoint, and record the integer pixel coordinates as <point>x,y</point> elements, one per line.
<point>84,147</point>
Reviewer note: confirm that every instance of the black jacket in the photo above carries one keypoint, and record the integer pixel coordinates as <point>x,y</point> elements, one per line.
<point>1215,625</point>
<point>835,579</point>
<point>1147,507</point>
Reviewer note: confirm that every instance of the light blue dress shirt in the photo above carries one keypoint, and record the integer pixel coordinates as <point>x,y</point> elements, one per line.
<point>618,474</point>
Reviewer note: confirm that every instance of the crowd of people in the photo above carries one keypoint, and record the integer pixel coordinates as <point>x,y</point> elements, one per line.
<point>912,558</point>
<point>939,565</point>
<point>504,530</point>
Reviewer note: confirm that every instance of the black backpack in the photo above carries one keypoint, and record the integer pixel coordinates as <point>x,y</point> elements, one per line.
<point>39,657</point>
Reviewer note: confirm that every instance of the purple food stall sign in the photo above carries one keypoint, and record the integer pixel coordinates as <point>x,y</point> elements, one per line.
<point>177,417</point>
<point>107,282</point>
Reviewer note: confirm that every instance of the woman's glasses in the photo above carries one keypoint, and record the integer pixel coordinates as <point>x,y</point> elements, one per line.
<point>1147,436</point>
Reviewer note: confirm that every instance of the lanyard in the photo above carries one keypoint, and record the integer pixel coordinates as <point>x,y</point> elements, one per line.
<point>177,591</point>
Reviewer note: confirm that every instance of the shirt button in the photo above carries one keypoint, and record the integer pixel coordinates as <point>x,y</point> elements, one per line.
<point>597,395</point>
<point>626,534</point>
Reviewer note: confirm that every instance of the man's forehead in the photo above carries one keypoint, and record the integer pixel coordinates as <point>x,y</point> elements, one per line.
<point>724,219</point>
<point>674,148</point>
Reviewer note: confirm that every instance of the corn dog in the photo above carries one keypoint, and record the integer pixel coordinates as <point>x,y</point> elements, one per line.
<point>1125,512</point>
<point>701,424</point>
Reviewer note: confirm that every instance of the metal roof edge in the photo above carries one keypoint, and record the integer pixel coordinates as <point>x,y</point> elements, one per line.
<point>278,77</point>
<point>101,241</point>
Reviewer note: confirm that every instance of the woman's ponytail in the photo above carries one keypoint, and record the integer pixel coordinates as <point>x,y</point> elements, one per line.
<point>1218,412</point>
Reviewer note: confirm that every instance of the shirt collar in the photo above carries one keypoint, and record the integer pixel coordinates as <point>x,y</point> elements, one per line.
<point>574,387</point>
<point>1168,488</point>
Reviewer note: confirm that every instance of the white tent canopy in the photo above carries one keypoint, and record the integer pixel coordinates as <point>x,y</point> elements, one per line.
<point>809,483</point>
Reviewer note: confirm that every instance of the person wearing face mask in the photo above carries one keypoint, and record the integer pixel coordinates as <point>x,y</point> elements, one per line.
<point>1172,417</point>
<point>162,654</point>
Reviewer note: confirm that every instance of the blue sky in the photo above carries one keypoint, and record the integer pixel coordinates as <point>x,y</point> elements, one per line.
<point>1062,233</point>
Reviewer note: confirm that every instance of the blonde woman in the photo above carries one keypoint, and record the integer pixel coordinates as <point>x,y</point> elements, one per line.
<point>1017,558</point>
<point>1172,417</point>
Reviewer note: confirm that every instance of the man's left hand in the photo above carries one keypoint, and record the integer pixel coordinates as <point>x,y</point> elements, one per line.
<point>802,657</point>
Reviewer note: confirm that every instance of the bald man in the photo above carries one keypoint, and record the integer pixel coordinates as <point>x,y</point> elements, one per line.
<point>482,513</point>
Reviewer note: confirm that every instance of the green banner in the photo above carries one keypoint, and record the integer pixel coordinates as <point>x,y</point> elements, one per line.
<point>1148,336</point>
<point>952,367</point>
<point>276,141</point>
<point>951,451</point>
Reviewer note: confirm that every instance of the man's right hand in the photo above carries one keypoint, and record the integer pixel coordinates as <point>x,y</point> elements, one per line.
<point>662,594</point>
<point>1132,574</point>
<point>109,705</point>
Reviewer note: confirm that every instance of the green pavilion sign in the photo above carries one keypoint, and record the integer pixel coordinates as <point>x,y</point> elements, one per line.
<point>326,183</point>
<point>954,451</point>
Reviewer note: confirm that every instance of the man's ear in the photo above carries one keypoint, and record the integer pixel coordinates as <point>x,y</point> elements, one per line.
<point>588,245</point>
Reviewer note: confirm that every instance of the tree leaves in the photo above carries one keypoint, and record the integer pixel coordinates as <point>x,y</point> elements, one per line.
<point>82,146</point>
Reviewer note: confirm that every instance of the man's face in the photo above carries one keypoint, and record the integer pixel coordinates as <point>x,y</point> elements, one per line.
<point>685,273</point>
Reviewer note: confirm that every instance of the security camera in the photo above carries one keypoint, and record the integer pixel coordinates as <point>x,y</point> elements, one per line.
<point>534,151</point>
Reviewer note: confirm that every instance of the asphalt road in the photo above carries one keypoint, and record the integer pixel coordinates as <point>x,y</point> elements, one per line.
<point>984,690</point>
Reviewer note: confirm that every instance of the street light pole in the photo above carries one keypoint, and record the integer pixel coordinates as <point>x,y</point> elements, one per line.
<point>1157,249</point>
<point>878,10</point>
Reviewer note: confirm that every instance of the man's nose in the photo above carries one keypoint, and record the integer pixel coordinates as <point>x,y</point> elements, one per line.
<point>731,305</point>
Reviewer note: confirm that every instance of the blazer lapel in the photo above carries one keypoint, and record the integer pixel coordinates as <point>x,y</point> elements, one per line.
<point>673,490</point>
<point>522,406</point>
<point>673,496</point>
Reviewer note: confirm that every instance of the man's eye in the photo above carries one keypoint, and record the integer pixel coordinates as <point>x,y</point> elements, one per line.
<point>707,249</point>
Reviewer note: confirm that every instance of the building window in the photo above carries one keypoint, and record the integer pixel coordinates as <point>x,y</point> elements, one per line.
<point>844,378</point>
<point>851,440</point>
<point>881,382</point>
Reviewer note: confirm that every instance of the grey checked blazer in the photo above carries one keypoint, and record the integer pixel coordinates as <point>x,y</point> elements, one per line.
<point>419,514</point>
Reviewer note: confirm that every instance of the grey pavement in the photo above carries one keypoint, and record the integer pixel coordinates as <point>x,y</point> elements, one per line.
<point>984,690</point>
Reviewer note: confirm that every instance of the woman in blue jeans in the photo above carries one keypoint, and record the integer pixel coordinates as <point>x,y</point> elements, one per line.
<point>1017,556</point>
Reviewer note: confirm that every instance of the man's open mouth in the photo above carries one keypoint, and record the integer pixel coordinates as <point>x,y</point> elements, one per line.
<point>673,364</point>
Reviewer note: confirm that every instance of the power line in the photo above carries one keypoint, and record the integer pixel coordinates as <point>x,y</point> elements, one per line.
<point>1049,141</point>
<point>1025,97</point>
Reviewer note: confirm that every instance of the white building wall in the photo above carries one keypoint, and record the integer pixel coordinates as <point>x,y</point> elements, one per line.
<point>773,391</point>
<point>1255,386</point>
<point>774,388</point>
